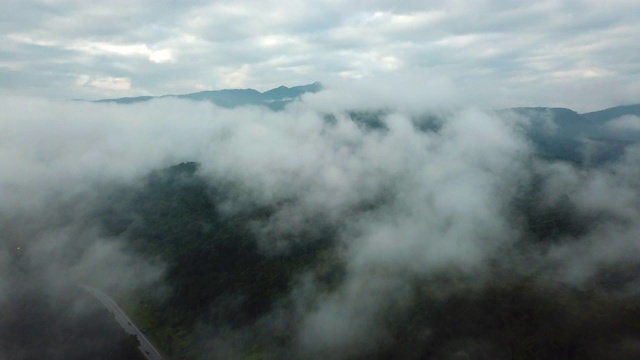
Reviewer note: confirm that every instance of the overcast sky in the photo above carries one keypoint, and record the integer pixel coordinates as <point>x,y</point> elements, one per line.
<point>579,54</point>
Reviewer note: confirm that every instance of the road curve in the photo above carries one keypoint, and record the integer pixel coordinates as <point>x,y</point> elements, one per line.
<point>145,346</point>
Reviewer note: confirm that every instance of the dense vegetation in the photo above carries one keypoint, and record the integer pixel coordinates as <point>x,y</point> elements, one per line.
<point>222,287</point>
<point>220,282</point>
<point>70,325</point>
<point>217,276</point>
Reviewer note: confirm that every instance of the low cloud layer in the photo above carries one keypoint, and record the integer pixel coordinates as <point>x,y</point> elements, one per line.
<point>626,123</point>
<point>406,201</point>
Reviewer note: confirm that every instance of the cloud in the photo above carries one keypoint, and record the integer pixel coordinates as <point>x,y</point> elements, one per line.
<point>161,56</point>
<point>531,54</point>
<point>108,83</point>
<point>607,250</point>
<point>628,122</point>
<point>407,201</point>
<point>412,91</point>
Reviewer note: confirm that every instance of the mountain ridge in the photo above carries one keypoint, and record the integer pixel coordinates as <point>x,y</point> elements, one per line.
<point>275,98</point>
<point>282,95</point>
<point>613,112</point>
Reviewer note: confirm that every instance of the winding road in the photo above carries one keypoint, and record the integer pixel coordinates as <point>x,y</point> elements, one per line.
<point>145,346</point>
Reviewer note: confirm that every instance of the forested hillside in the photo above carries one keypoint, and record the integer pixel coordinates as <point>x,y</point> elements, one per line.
<point>222,286</point>
<point>370,233</point>
<point>218,278</point>
<point>70,325</point>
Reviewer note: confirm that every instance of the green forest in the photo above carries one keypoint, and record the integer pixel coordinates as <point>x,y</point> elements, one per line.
<point>220,283</point>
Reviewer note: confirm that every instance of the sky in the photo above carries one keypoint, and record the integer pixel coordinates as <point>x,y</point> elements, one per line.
<point>577,54</point>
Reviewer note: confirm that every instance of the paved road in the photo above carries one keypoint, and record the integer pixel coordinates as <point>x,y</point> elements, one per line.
<point>145,346</point>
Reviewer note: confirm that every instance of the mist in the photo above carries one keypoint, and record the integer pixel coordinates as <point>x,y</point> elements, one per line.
<point>408,205</point>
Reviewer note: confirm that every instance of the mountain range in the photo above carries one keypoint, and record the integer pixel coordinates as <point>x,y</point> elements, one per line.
<point>225,294</point>
<point>275,99</point>
<point>589,138</point>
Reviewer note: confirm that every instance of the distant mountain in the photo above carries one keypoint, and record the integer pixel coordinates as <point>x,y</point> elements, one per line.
<point>221,285</point>
<point>613,113</point>
<point>275,99</point>
<point>589,138</point>
<point>555,132</point>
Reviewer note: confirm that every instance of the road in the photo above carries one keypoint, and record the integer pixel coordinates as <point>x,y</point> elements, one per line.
<point>145,346</point>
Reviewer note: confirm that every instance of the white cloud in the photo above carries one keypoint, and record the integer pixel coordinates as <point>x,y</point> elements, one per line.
<point>434,199</point>
<point>161,56</point>
<point>105,83</point>
<point>628,122</point>
<point>237,78</point>
<point>533,53</point>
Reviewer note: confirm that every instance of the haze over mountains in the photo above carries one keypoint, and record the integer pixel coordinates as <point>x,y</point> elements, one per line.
<point>275,99</point>
<point>351,223</point>
<point>596,136</point>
